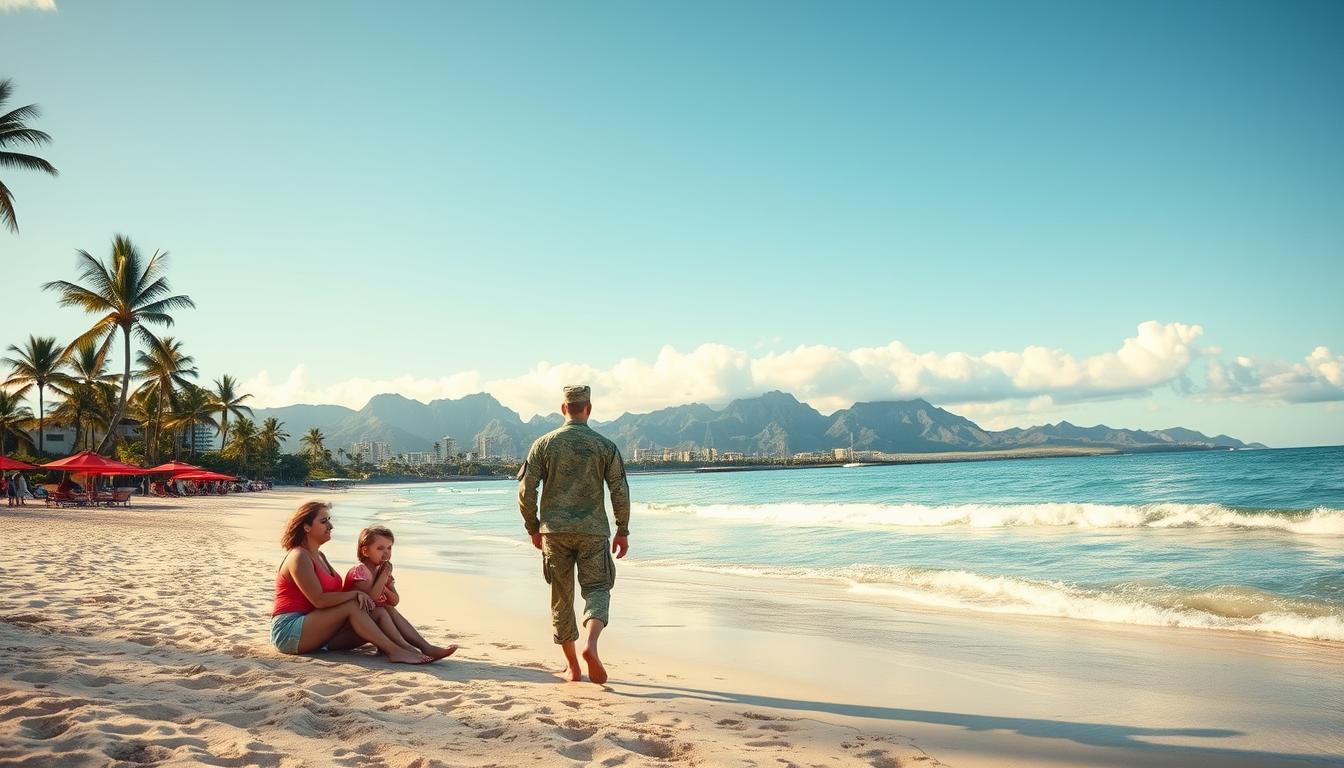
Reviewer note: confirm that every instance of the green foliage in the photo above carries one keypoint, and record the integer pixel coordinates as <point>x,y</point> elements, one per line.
<point>15,132</point>
<point>291,468</point>
<point>131,452</point>
<point>127,293</point>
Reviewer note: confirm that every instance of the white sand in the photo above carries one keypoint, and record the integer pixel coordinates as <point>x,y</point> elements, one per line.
<point>139,636</point>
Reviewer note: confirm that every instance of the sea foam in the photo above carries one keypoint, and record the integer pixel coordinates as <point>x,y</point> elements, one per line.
<point>1320,521</point>
<point>1239,609</point>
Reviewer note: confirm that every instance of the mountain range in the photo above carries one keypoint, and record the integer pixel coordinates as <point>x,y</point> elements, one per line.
<point>774,423</point>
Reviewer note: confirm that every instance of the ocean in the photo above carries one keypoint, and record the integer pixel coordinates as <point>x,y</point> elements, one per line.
<point>1245,541</point>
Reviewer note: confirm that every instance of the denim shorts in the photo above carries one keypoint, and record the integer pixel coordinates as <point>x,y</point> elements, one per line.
<point>285,631</point>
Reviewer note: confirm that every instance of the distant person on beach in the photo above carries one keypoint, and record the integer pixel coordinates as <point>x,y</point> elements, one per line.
<point>7,485</point>
<point>571,464</point>
<point>311,610</point>
<point>373,577</point>
<point>21,488</point>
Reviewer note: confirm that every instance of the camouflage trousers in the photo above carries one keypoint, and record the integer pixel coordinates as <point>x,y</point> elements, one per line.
<point>561,555</point>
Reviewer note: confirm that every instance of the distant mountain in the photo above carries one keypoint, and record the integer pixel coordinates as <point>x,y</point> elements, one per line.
<point>774,423</point>
<point>298,419</point>
<point>905,426</point>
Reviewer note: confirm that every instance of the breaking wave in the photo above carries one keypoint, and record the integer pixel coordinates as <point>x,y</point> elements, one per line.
<point>1239,609</point>
<point>1319,521</point>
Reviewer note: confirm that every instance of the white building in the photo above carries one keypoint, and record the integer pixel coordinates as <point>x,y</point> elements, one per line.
<point>372,452</point>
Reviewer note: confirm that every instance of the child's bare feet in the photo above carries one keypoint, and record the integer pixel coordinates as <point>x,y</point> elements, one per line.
<point>596,672</point>
<point>401,656</point>
<point>570,674</point>
<point>435,653</point>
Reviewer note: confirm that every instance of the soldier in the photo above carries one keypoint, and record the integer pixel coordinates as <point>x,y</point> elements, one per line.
<point>571,463</point>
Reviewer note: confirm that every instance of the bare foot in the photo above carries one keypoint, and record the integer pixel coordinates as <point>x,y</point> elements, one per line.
<point>596,672</point>
<point>435,653</point>
<point>569,674</point>
<point>407,657</point>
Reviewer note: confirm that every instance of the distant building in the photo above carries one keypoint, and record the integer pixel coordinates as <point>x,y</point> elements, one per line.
<point>371,452</point>
<point>418,458</point>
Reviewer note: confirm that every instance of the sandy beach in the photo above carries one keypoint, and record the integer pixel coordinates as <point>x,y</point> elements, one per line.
<point>139,636</point>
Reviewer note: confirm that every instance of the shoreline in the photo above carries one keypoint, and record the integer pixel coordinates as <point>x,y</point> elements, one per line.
<point>143,657</point>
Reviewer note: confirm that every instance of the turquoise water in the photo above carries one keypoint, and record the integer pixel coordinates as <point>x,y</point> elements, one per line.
<point>1232,540</point>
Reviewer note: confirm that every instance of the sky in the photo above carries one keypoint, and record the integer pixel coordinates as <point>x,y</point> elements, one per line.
<point>1125,213</point>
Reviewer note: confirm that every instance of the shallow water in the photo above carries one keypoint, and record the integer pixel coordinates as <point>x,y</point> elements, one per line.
<point>1235,540</point>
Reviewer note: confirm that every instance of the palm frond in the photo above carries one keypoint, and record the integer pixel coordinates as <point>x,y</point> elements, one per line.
<point>17,133</point>
<point>26,163</point>
<point>72,295</point>
<point>7,209</point>
<point>164,305</point>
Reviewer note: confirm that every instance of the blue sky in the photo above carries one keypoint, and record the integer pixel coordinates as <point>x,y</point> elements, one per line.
<point>436,197</point>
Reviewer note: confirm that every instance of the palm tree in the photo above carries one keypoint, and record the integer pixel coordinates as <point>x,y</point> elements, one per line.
<point>84,372</point>
<point>128,292</point>
<point>193,408</point>
<point>270,437</point>
<point>14,131</point>
<point>227,400</point>
<point>164,367</point>
<point>37,365</point>
<point>15,419</point>
<point>244,444</point>
<point>313,446</point>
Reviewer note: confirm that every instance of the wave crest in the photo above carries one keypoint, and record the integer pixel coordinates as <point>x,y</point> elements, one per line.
<point>1239,609</point>
<point>1320,521</point>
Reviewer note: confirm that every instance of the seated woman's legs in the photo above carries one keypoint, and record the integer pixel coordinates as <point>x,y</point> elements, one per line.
<point>348,626</point>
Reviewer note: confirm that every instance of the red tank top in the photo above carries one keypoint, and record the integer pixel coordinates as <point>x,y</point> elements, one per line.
<point>289,598</point>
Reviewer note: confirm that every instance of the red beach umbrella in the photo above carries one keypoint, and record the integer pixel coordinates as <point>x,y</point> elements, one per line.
<point>203,476</point>
<point>174,467</point>
<point>7,463</point>
<point>90,463</point>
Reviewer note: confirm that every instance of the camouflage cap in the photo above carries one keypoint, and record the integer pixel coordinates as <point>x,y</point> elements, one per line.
<point>577,393</point>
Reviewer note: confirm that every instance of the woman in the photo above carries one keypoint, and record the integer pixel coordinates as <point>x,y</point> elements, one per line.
<point>311,612</point>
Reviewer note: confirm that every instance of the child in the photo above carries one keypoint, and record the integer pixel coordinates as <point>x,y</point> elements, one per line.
<point>373,576</point>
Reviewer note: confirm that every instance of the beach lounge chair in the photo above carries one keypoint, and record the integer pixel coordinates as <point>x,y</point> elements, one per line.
<point>68,499</point>
<point>118,497</point>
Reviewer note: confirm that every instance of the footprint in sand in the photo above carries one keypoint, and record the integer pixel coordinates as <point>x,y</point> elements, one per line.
<point>138,753</point>
<point>659,749</point>
<point>45,727</point>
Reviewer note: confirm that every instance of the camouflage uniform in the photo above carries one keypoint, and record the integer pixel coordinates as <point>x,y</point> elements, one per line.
<point>572,463</point>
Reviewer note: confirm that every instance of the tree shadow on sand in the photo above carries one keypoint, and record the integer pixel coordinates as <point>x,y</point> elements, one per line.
<point>1103,735</point>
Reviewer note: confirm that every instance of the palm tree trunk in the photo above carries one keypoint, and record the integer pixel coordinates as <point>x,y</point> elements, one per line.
<point>224,429</point>
<point>41,423</point>
<point>152,449</point>
<point>125,390</point>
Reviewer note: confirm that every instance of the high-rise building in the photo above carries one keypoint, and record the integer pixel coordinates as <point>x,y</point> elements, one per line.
<point>371,452</point>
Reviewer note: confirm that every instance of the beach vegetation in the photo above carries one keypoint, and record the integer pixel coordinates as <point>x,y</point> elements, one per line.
<point>164,370</point>
<point>15,421</point>
<point>38,363</point>
<point>15,131</point>
<point>226,400</point>
<point>128,293</point>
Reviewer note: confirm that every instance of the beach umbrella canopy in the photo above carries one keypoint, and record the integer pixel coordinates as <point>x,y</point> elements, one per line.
<point>90,463</point>
<point>203,476</point>
<point>174,467</point>
<point>7,464</point>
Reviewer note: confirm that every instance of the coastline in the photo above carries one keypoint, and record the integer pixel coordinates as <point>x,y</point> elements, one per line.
<point>140,635</point>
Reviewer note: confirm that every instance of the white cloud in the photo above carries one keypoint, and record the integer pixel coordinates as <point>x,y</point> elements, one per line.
<point>1318,378</point>
<point>1034,380</point>
<point>10,6</point>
